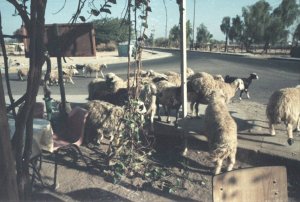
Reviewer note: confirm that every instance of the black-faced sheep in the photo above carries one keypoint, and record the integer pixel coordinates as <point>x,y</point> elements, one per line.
<point>284,105</point>
<point>90,68</point>
<point>106,119</point>
<point>221,131</point>
<point>247,83</point>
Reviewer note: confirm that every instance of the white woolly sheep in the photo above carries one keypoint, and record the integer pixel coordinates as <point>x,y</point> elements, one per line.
<point>201,85</point>
<point>221,131</point>
<point>106,119</point>
<point>67,76</point>
<point>284,105</point>
<point>90,68</point>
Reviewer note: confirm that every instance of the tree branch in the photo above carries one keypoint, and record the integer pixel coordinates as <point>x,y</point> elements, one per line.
<point>22,13</point>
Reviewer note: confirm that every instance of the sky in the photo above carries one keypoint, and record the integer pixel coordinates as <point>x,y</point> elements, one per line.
<point>208,12</point>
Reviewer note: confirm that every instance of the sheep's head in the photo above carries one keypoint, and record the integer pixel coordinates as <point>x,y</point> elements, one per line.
<point>139,107</point>
<point>254,76</point>
<point>217,96</point>
<point>239,84</point>
<point>103,66</point>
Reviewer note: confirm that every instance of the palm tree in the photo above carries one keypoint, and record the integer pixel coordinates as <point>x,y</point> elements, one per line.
<point>225,27</point>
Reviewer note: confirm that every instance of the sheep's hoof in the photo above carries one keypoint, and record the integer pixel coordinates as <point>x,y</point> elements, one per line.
<point>176,125</point>
<point>291,141</point>
<point>240,98</point>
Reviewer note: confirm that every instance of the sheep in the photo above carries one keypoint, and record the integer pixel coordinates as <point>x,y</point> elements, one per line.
<point>67,76</point>
<point>175,78</point>
<point>221,131</point>
<point>90,68</point>
<point>247,83</point>
<point>106,119</point>
<point>201,84</point>
<point>169,96</point>
<point>22,73</point>
<point>284,105</point>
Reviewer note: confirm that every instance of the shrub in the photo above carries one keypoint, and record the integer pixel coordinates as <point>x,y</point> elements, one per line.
<point>111,46</point>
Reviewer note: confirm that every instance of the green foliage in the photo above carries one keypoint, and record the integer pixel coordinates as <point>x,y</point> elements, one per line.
<point>236,29</point>
<point>174,34</point>
<point>161,42</point>
<point>296,35</point>
<point>203,35</point>
<point>110,29</point>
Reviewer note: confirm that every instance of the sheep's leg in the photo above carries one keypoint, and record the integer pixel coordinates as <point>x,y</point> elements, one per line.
<point>197,109</point>
<point>176,120</point>
<point>248,95</point>
<point>218,168</point>
<point>298,125</point>
<point>96,74</point>
<point>167,110</point>
<point>272,129</point>
<point>289,129</point>
<point>192,108</point>
<point>152,114</point>
<point>102,74</point>
<point>231,161</point>
<point>158,111</point>
<point>71,80</point>
<point>100,136</point>
<point>241,93</point>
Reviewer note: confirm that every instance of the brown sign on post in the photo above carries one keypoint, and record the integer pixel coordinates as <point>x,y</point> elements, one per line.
<point>68,40</point>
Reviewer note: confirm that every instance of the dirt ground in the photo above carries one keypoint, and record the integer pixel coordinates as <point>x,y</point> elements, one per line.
<point>79,182</point>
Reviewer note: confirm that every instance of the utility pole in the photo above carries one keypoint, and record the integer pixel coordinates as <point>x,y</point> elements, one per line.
<point>182,11</point>
<point>194,25</point>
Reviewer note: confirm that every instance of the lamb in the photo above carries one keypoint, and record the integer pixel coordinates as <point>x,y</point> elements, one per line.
<point>90,68</point>
<point>284,105</point>
<point>221,131</point>
<point>106,119</point>
<point>247,83</point>
<point>201,84</point>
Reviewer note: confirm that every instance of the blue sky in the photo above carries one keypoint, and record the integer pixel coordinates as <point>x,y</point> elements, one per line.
<point>209,12</point>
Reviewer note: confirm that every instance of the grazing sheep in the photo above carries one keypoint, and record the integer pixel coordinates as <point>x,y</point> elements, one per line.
<point>284,105</point>
<point>169,96</point>
<point>67,76</point>
<point>106,119</point>
<point>22,73</point>
<point>201,84</point>
<point>221,131</point>
<point>90,68</point>
<point>247,83</point>
<point>175,78</point>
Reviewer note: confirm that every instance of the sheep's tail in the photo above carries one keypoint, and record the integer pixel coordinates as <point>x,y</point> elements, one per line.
<point>221,152</point>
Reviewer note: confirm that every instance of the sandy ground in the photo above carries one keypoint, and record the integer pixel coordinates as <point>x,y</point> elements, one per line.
<point>79,182</point>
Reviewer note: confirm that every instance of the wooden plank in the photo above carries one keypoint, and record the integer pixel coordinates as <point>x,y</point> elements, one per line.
<point>67,40</point>
<point>251,184</point>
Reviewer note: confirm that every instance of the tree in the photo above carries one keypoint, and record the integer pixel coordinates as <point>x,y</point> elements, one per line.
<point>296,35</point>
<point>225,27</point>
<point>161,42</point>
<point>110,29</point>
<point>236,29</point>
<point>203,35</point>
<point>256,20</point>
<point>174,34</point>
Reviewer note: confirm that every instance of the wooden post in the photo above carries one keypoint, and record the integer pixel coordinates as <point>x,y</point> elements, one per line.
<point>182,9</point>
<point>60,75</point>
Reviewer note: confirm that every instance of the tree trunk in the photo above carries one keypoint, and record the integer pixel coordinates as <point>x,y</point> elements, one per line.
<point>37,58</point>
<point>226,42</point>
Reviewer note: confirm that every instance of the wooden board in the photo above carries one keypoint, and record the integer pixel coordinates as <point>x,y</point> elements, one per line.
<point>67,40</point>
<point>251,184</point>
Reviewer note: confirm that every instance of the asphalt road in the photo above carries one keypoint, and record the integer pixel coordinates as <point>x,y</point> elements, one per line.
<point>274,73</point>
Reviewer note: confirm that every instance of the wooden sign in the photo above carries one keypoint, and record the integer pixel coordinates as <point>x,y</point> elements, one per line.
<point>251,184</point>
<point>68,40</point>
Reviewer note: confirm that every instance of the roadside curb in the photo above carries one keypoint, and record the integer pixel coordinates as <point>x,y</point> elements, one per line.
<point>232,54</point>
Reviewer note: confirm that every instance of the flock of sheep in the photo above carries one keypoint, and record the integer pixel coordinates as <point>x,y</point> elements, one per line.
<point>164,90</point>
<point>108,95</point>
